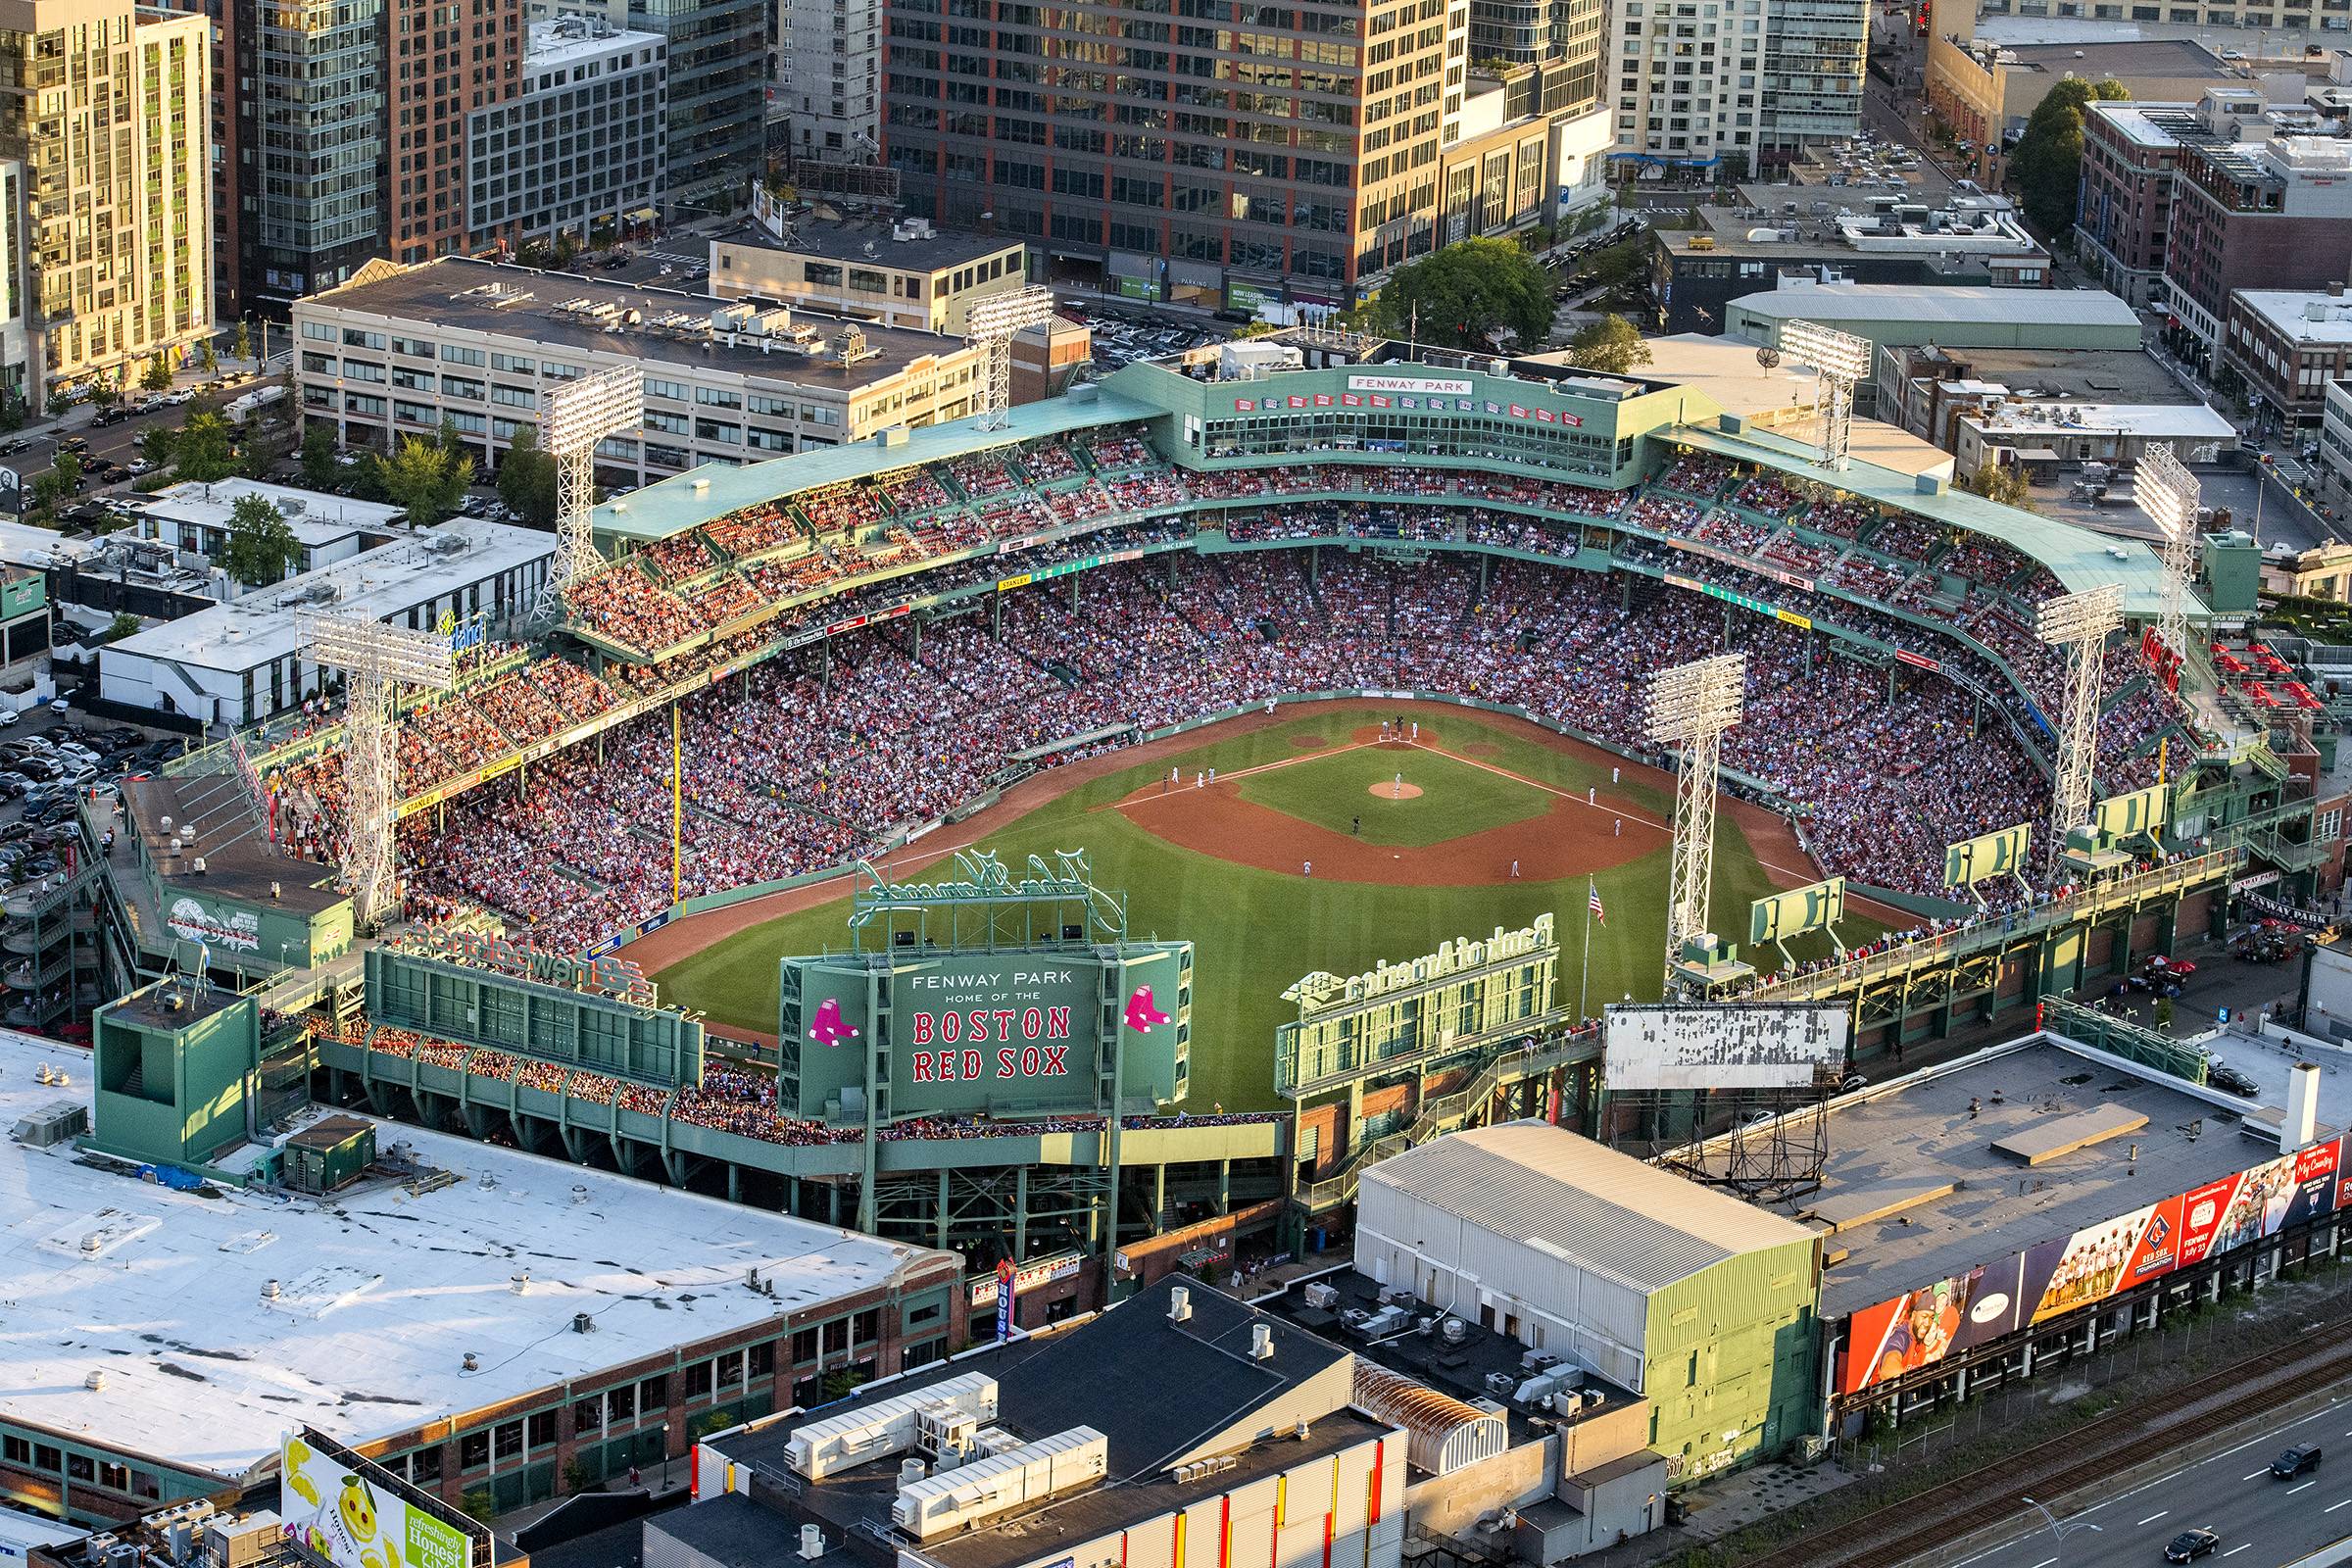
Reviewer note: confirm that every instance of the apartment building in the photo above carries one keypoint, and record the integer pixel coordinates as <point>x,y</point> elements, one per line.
<point>1291,148</point>
<point>583,143</point>
<point>396,350</point>
<point>2287,347</point>
<point>2275,215</point>
<point>1742,83</point>
<point>718,66</point>
<point>110,123</point>
<point>444,62</point>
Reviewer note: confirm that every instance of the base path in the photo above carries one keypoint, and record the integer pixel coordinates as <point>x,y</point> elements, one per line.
<point>1767,833</point>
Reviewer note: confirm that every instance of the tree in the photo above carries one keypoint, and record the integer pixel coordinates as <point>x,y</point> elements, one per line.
<point>1468,295</point>
<point>321,464</point>
<point>1611,345</point>
<point>157,444</point>
<point>122,627</point>
<point>2046,167</point>
<point>208,359</point>
<point>526,481</point>
<point>262,548</point>
<point>105,393</point>
<point>205,449</point>
<point>423,479</point>
<point>2008,486</point>
<point>68,469</point>
<point>158,375</point>
<point>241,346</point>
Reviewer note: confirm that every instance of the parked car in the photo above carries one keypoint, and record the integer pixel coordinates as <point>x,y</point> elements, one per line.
<point>2229,1081</point>
<point>2295,1460</point>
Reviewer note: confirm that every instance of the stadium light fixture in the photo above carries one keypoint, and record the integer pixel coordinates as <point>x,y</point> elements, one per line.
<point>2168,493</point>
<point>992,325</point>
<point>1690,705</point>
<point>1841,361</point>
<point>574,418</point>
<point>376,658</point>
<point>2077,624</point>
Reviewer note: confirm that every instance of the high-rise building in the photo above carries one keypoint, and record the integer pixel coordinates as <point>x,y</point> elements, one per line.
<point>582,145</point>
<point>718,66</point>
<point>297,192</point>
<point>1291,149</point>
<point>444,59</point>
<point>1743,82</point>
<point>106,108</point>
<point>828,76</point>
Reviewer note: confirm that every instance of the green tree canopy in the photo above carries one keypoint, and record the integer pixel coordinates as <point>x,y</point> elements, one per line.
<point>205,449</point>
<point>526,481</point>
<point>2046,166</point>
<point>320,463</point>
<point>1469,295</point>
<point>1611,345</point>
<point>261,547</point>
<point>2009,486</point>
<point>424,479</point>
<point>158,375</point>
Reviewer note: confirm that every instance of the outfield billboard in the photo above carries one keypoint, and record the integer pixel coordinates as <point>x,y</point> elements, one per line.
<point>2053,1277</point>
<point>1986,856</point>
<point>2140,812</point>
<point>1670,1046</point>
<point>966,1033</point>
<point>1782,916</point>
<point>357,1515</point>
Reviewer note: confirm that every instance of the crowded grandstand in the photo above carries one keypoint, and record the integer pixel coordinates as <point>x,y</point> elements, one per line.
<point>1897,698</point>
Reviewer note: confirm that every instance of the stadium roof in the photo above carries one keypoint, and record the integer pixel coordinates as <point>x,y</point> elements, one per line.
<point>2080,557</point>
<point>1914,1190</point>
<point>382,1290</point>
<point>1891,302</point>
<point>1553,1190</point>
<point>705,494</point>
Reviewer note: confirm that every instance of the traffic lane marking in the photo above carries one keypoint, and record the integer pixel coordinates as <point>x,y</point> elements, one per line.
<point>2152,1518</point>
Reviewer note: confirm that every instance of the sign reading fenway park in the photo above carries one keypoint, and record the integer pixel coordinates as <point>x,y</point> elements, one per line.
<point>964,1021</point>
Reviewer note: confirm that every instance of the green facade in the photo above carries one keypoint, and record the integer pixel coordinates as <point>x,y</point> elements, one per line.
<point>1734,1348</point>
<point>173,1086</point>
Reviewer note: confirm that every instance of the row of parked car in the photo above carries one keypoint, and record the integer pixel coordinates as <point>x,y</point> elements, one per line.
<point>46,770</point>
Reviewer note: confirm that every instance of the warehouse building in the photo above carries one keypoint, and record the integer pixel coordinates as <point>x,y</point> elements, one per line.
<point>1700,1303</point>
<point>476,1319</point>
<point>1178,1430</point>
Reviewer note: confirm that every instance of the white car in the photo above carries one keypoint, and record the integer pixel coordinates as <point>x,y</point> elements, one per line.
<point>60,706</point>
<point>8,716</point>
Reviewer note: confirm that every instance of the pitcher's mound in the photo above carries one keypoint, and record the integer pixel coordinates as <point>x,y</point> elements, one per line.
<point>1393,791</point>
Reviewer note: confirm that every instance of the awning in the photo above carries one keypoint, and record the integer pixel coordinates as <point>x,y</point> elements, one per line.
<point>643,215</point>
<point>2036,454</point>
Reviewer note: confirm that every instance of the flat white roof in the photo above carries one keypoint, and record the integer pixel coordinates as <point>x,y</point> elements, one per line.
<point>386,582</point>
<point>316,517</point>
<point>381,1293</point>
<point>1900,302</point>
<point>2282,308</point>
<point>554,41</point>
<point>2163,419</point>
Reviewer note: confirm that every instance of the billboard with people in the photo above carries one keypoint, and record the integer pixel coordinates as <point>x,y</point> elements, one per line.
<point>2054,1277</point>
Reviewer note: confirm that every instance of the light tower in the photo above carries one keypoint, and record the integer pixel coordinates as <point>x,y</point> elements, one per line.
<point>2078,624</point>
<point>992,325</point>
<point>578,414</point>
<point>1690,705</point>
<point>2167,492</point>
<point>375,659</point>
<point>1840,360</point>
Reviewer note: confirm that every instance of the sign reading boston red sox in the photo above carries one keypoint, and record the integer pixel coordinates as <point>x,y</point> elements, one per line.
<point>1001,1023</point>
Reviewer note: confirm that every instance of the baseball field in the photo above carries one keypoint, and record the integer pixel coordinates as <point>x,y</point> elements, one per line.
<point>1325,841</point>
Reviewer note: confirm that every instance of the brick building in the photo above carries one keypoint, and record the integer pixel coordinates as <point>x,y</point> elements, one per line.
<point>2276,214</point>
<point>2287,346</point>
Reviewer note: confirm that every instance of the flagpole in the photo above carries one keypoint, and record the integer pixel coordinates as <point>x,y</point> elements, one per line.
<point>1584,980</point>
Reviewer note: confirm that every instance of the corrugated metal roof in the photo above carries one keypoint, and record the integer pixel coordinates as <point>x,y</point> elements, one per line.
<point>1905,302</point>
<point>1583,1201</point>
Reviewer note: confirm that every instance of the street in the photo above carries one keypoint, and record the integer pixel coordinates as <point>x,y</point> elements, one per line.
<point>2263,1522</point>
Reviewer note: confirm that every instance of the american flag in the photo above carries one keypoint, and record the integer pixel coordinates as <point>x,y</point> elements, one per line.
<point>1593,889</point>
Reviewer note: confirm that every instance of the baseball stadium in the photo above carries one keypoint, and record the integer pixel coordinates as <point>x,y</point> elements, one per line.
<point>1074,834</point>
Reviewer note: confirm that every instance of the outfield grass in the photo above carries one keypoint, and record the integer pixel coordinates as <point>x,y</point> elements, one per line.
<point>1345,787</point>
<point>1255,932</point>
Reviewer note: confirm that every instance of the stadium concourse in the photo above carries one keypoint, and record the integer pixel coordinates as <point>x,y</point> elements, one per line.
<point>812,616</point>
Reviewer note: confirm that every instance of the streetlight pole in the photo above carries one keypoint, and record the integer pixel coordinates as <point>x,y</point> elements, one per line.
<point>665,1459</point>
<point>2059,1531</point>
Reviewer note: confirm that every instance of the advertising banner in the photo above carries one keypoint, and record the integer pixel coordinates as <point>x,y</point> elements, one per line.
<point>2140,812</point>
<point>1987,855</point>
<point>1792,913</point>
<point>359,1516</point>
<point>2052,1278</point>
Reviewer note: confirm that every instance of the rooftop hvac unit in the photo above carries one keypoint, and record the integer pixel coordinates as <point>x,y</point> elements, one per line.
<point>945,1433</point>
<point>884,1428</point>
<point>1319,1295</point>
<point>986,1487</point>
<point>52,1125</point>
<point>241,1542</point>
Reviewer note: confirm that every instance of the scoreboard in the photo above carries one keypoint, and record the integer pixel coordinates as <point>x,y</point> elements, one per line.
<point>1057,1028</point>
